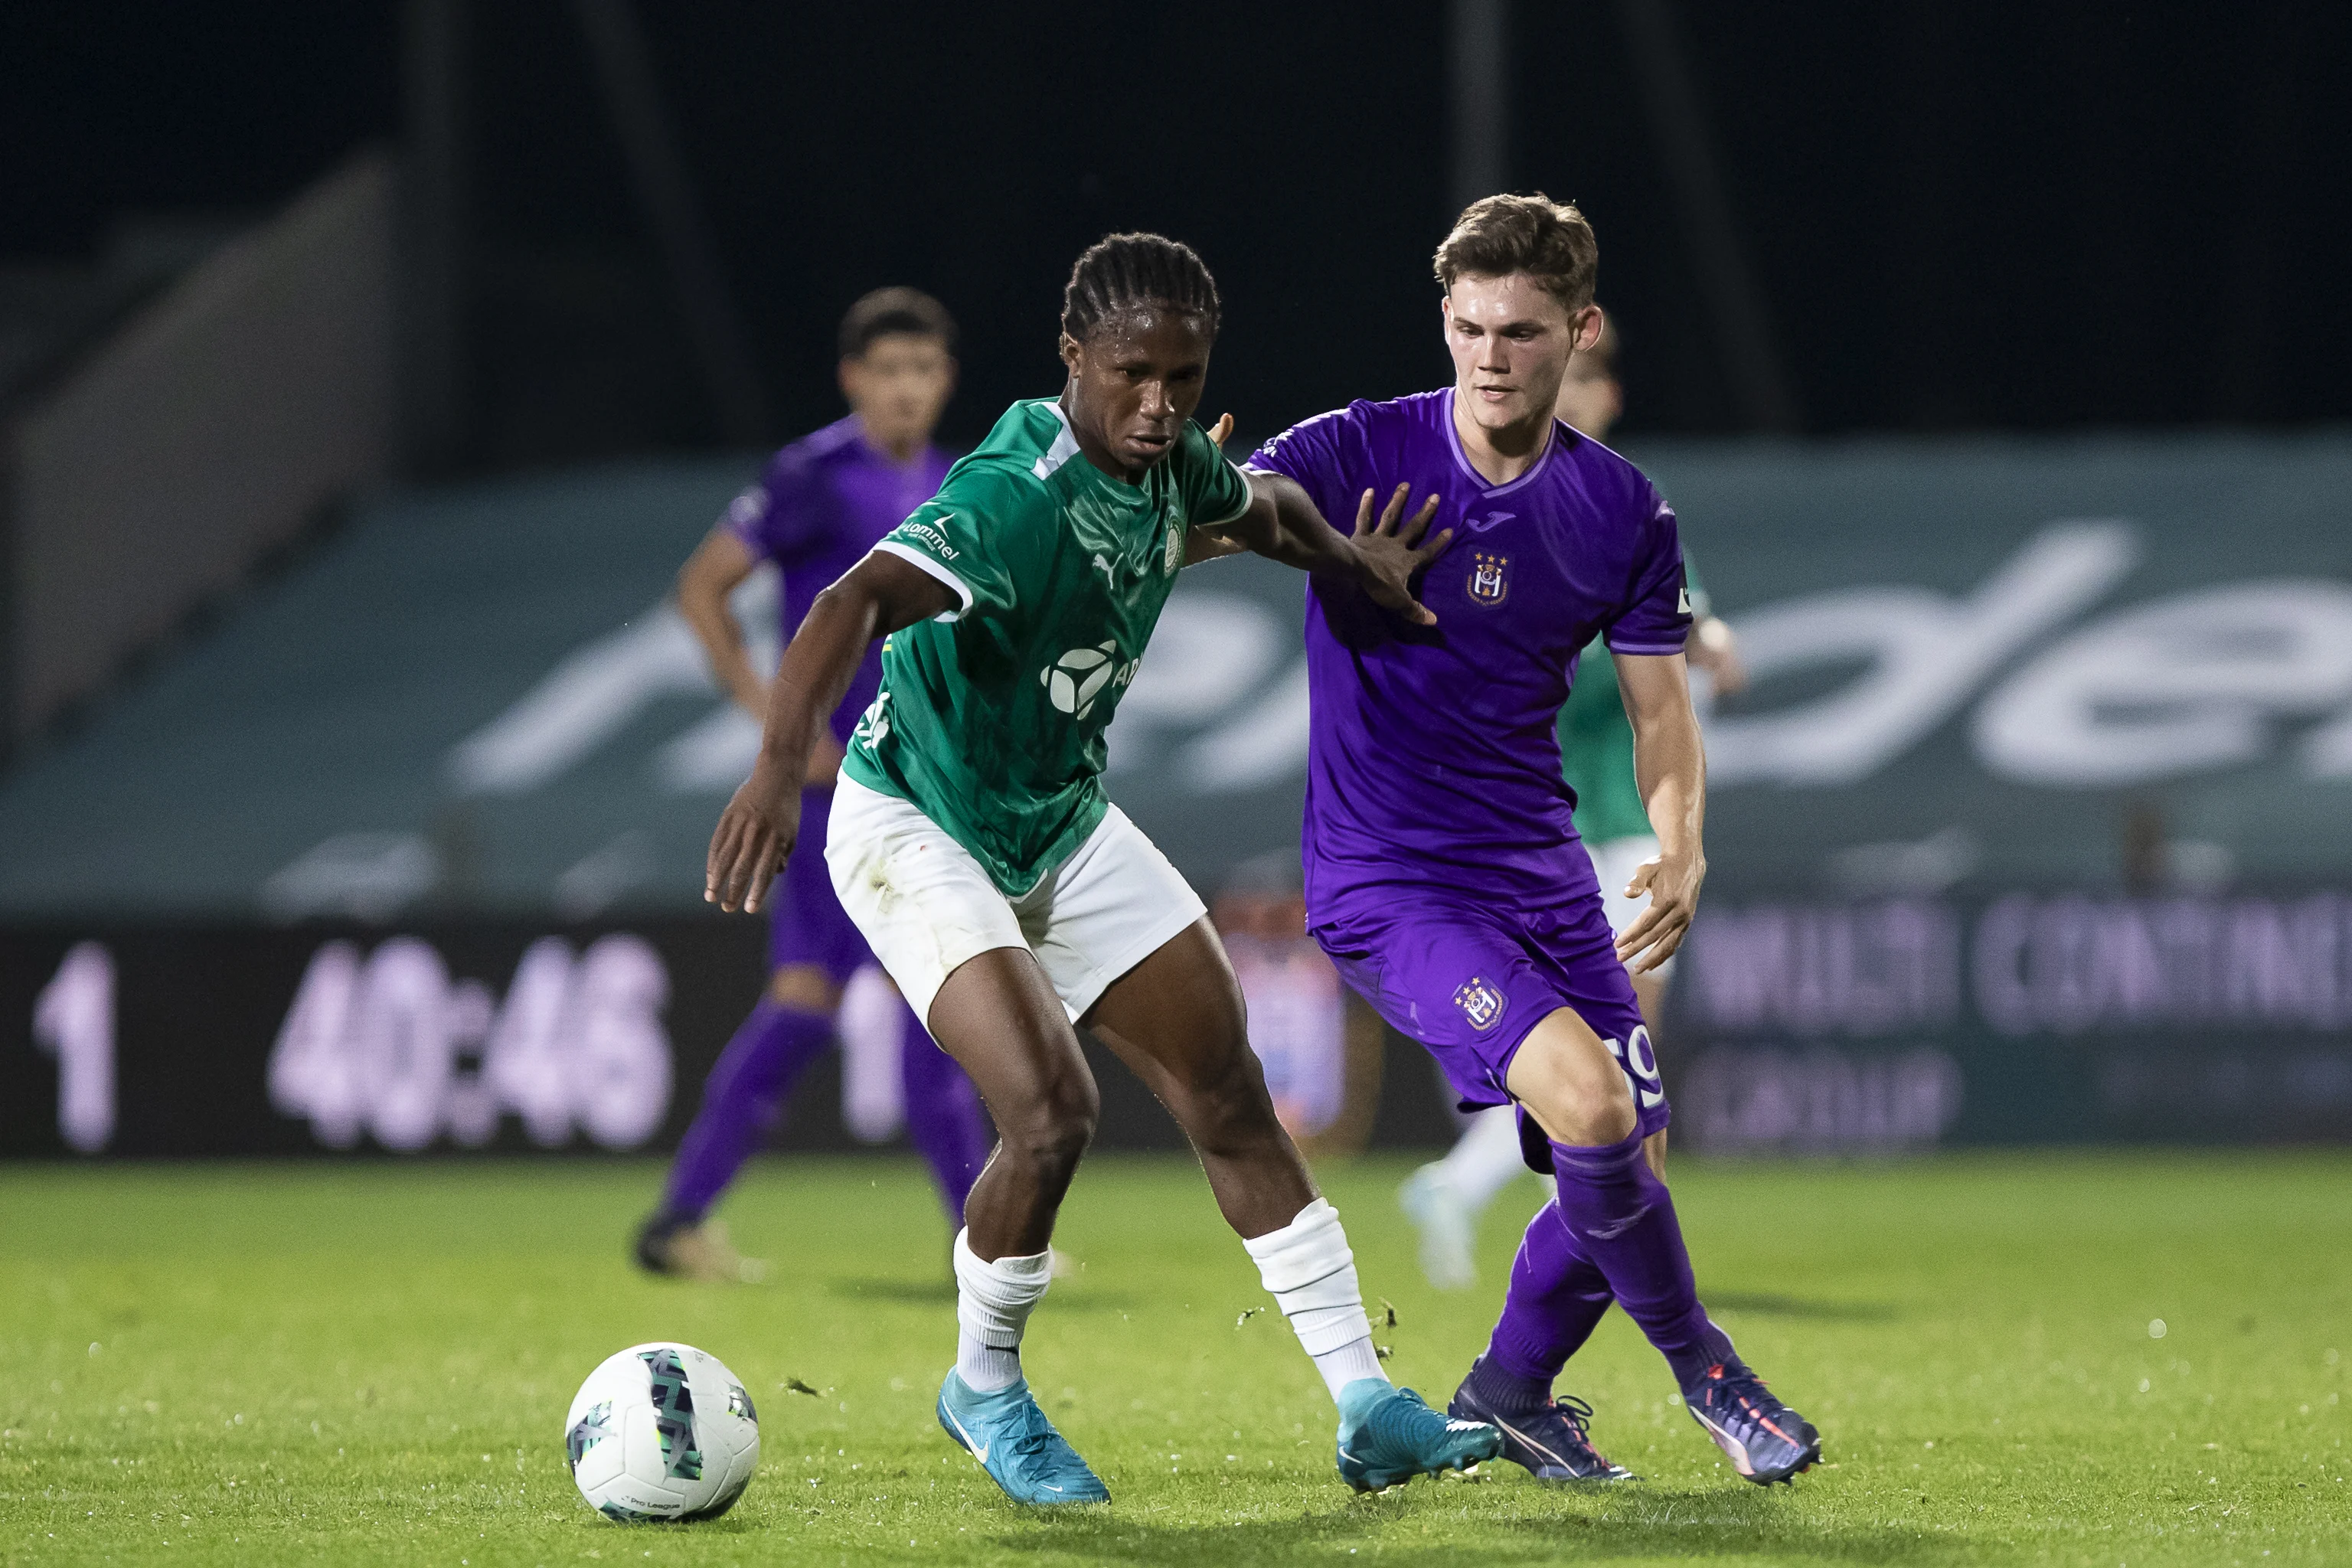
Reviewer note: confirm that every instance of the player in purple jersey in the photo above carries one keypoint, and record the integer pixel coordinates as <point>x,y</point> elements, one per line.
<point>1444,872</point>
<point>817,509</point>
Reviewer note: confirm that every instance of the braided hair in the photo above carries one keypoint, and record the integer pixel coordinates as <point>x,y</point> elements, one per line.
<point>1122,271</point>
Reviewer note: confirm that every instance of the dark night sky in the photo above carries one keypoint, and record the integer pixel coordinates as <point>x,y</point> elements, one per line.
<point>2000,217</point>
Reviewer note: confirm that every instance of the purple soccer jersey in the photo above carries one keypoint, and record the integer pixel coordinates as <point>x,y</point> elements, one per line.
<point>1444,872</point>
<point>818,508</point>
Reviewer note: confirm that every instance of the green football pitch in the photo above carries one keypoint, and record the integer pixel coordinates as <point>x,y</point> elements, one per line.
<point>370,1362</point>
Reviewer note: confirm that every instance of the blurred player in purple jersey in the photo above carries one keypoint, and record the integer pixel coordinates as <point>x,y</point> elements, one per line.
<point>1444,872</point>
<point>817,509</point>
<point>1445,1197</point>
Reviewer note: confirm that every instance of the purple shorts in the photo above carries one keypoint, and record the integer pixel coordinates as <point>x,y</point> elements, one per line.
<point>1469,980</point>
<point>807,924</point>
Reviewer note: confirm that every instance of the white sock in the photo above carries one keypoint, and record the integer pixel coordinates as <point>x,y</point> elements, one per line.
<point>1309,1268</point>
<point>993,1301</point>
<point>1485,1159</point>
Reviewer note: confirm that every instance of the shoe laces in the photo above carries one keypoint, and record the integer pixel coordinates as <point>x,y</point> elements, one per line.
<point>1576,1413</point>
<point>1740,1395</point>
<point>1036,1439</point>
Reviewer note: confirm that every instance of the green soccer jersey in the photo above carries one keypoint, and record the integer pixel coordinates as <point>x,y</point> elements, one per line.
<point>1596,743</point>
<point>990,718</point>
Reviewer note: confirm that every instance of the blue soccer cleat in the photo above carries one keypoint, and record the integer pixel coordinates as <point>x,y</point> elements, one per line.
<point>1016,1444</point>
<point>1388,1435</point>
<point>1552,1442</point>
<point>1765,1439</point>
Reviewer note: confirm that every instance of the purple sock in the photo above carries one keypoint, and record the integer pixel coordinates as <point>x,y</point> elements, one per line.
<point>742,1100</point>
<point>944,1116</point>
<point>1556,1297</point>
<point>1617,1213</point>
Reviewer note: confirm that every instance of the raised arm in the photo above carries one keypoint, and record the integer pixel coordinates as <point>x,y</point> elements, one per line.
<point>877,596</point>
<point>1670,769</point>
<point>1283,524</point>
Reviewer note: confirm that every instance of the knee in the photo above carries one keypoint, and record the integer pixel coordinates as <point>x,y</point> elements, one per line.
<point>1224,1094</point>
<point>1053,1129</point>
<point>1579,1097</point>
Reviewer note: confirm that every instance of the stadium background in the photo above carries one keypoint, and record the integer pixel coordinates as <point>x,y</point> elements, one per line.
<point>366,371</point>
<point>369,370</point>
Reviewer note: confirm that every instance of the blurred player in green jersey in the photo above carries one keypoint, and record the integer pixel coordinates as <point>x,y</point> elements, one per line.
<point>1446,1199</point>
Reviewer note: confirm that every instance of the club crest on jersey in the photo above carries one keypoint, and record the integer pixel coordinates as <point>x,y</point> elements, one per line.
<point>1490,577</point>
<point>1480,1002</point>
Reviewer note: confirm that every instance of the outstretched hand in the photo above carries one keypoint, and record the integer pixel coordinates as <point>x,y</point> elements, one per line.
<point>748,849</point>
<point>1392,551</point>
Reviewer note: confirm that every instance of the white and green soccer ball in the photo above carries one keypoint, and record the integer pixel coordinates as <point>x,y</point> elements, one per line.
<point>661,1432</point>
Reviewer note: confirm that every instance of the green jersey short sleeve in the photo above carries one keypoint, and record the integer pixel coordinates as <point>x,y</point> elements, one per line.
<point>990,718</point>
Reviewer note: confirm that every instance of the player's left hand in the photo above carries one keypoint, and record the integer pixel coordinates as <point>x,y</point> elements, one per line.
<point>1392,551</point>
<point>1673,884</point>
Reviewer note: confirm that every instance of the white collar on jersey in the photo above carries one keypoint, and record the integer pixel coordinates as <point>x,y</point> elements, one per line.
<point>1065,447</point>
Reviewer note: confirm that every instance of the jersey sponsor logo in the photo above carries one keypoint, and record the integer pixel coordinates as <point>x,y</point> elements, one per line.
<point>1480,1003</point>
<point>1490,577</point>
<point>874,724</point>
<point>1075,681</point>
<point>933,538</point>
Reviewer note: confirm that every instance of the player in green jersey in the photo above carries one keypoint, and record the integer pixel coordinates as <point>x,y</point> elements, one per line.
<point>973,844</point>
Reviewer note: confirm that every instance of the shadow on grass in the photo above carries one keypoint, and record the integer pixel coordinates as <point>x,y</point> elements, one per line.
<point>1770,1304</point>
<point>932,1292</point>
<point>1709,1525</point>
<point>908,1292</point>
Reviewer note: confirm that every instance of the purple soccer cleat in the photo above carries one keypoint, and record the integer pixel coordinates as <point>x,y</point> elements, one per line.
<point>1765,1439</point>
<point>1551,1441</point>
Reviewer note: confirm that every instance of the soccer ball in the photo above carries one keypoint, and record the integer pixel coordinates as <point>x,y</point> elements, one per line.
<point>661,1431</point>
<point>1073,681</point>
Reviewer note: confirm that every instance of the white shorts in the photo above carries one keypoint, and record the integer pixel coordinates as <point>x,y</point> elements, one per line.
<point>925,906</point>
<point>1614,861</point>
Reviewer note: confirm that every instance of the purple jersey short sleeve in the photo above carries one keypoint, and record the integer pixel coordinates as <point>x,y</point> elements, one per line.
<point>1444,873</point>
<point>818,508</point>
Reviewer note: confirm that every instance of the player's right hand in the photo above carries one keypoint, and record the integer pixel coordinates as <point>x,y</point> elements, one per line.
<point>754,836</point>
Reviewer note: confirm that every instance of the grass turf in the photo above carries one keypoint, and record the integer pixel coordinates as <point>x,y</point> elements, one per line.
<point>367,1363</point>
